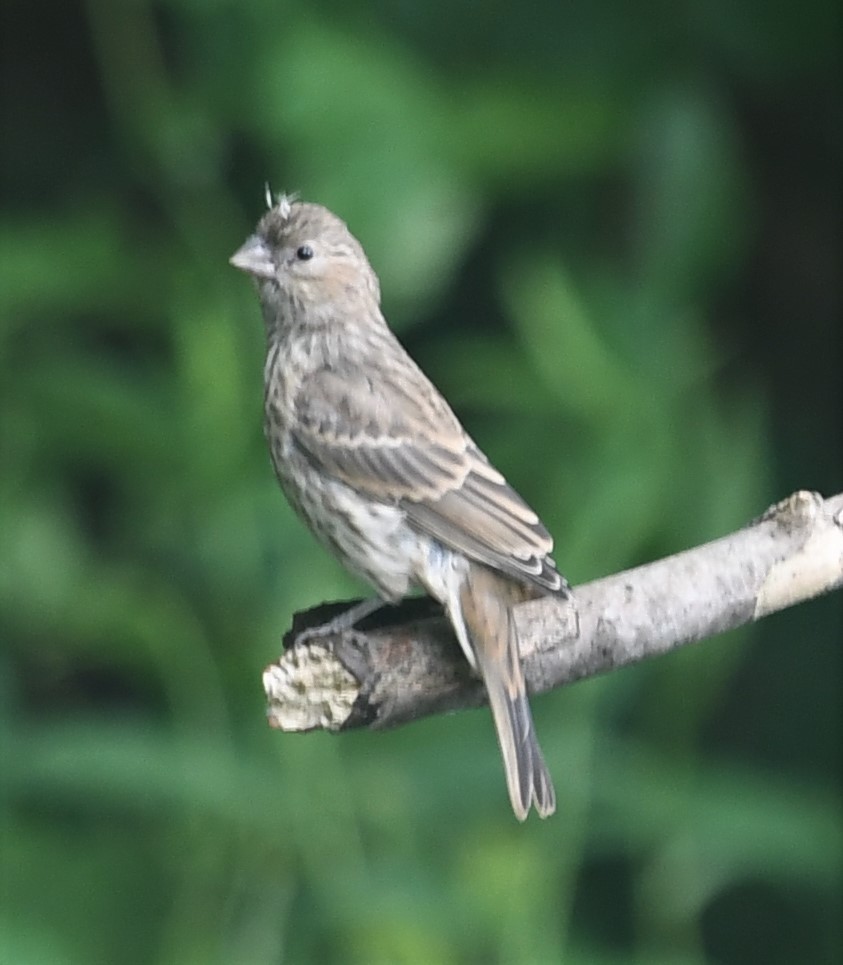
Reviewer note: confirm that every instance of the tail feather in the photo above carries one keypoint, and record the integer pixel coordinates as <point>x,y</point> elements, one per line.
<point>486,609</point>
<point>527,777</point>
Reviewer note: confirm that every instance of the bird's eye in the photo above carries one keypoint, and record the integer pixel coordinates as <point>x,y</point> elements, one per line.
<point>304,253</point>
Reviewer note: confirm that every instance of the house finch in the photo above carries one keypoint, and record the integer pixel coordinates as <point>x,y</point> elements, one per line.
<point>375,462</point>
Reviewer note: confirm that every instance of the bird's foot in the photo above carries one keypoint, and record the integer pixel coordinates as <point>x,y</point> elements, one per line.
<point>342,621</point>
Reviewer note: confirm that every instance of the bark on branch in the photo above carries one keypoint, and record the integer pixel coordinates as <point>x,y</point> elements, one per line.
<point>406,663</point>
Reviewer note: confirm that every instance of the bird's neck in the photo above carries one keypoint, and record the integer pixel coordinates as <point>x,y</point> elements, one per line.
<point>289,319</point>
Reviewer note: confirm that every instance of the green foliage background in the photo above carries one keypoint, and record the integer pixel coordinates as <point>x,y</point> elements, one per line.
<point>610,234</point>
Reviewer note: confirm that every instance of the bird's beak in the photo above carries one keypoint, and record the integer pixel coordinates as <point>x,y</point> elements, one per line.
<point>254,258</point>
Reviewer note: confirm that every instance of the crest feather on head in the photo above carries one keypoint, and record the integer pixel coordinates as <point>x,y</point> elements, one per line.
<point>284,202</point>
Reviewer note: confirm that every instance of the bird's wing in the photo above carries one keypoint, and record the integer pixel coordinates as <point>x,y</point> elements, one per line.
<point>378,437</point>
<point>397,441</point>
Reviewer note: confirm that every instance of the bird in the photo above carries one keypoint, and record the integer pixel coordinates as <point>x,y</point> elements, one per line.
<point>375,462</point>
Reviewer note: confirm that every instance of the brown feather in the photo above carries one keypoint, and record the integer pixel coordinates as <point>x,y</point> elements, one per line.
<point>485,608</point>
<point>408,448</point>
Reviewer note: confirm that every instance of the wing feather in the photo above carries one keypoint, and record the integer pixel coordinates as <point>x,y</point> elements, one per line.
<point>408,448</point>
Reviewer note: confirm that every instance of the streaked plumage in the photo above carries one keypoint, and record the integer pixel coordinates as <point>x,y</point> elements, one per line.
<point>372,457</point>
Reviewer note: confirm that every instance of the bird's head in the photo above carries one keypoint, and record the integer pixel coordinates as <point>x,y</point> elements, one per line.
<point>303,255</point>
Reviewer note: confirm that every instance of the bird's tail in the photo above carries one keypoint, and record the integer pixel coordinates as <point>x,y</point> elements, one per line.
<point>486,600</point>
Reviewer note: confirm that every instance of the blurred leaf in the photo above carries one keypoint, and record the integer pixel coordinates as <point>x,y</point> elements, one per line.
<point>563,343</point>
<point>692,222</point>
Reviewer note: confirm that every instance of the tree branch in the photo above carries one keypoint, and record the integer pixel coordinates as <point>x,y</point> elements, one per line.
<point>407,664</point>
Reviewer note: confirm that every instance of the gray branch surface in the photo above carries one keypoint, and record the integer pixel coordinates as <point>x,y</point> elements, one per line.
<point>407,664</point>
